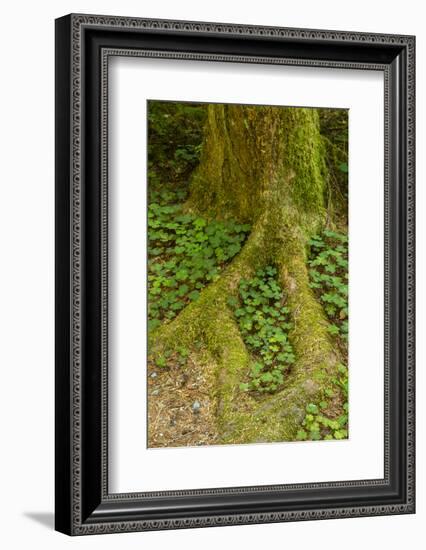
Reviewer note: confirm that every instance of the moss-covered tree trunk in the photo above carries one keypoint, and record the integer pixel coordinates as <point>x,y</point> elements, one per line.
<point>264,166</point>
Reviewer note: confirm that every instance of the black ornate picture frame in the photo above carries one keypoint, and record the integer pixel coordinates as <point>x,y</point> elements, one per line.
<point>84,43</point>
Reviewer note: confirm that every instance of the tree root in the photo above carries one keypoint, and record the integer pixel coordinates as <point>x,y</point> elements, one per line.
<point>209,322</point>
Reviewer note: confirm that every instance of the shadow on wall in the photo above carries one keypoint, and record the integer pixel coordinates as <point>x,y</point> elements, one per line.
<point>44,518</point>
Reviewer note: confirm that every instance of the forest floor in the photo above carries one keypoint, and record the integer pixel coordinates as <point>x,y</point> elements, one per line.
<point>182,387</point>
<point>181,405</point>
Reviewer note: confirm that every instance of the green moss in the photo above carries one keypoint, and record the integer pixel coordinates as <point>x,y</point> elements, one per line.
<point>255,158</point>
<point>221,185</point>
<point>303,159</point>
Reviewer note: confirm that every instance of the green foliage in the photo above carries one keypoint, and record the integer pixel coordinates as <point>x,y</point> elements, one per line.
<point>185,253</point>
<point>317,424</point>
<point>328,271</point>
<point>334,130</point>
<point>263,320</point>
<point>168,358</point>
<point>161,362</point>
<point>312,409</point>
<point>174,139</point>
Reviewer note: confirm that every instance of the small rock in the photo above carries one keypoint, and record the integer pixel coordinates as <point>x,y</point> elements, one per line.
<point>155,392</point>
<point>196,406</point>
<point>153,375</point>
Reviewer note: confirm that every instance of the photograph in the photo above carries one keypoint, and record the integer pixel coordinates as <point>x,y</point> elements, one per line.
<point>247,274</point>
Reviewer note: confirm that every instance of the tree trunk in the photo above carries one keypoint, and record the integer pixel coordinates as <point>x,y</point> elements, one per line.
<point>264,166</point>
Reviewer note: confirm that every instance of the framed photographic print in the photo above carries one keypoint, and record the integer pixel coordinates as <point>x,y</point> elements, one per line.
<point>234,274</point>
